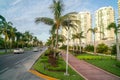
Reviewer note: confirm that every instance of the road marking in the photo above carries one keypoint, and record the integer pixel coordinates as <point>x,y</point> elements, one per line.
<point>22,60</point>
<point>4,70</point>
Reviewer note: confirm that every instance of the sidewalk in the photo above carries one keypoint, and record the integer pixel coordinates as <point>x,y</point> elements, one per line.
<point>88,71</point>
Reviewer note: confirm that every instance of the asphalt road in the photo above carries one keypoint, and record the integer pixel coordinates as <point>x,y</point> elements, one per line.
<point>16,66</point>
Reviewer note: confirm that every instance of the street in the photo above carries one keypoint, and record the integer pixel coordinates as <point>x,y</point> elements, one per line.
<point>16,66</point>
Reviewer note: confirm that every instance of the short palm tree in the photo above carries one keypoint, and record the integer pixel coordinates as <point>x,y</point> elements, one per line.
<point>94,31</point>
<point>73,38</point>
<point>116,28</point>
<point>80,36</point>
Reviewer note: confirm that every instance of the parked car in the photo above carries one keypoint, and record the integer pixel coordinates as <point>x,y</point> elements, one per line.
<point>18,51</point>
<point>35,49</point>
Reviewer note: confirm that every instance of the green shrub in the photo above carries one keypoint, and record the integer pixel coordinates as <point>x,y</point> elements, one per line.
<point>118,64</point>
<point>89,48</point>
<point>102,48</point>
<point>113,49</point>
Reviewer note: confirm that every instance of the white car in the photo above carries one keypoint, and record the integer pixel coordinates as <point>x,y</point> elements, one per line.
<point>18,51</point>
<point>35,49</point>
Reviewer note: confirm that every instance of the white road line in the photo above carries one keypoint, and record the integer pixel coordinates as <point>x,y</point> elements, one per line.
<point>4,69</point>
<point>22,60</point>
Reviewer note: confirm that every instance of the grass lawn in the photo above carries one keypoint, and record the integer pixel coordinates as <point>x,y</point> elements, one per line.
<point>2,53</point>
<point>39,66</point>
<point>104,62</point>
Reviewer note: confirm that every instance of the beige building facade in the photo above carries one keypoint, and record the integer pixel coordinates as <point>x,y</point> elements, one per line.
<point>103,17</point>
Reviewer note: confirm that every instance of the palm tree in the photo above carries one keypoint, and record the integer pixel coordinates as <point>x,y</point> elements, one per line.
<point>74,37</point>
<point>61,38</point>
<point>11,35</point>
<point>18,38</point>
<point>4,25</point>
<point>116,28</point>
<point>57,8</point>
<point>94,31</point>
<point>80,36</point>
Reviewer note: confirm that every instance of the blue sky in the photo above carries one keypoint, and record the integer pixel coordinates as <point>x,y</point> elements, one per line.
<point>23,12</point>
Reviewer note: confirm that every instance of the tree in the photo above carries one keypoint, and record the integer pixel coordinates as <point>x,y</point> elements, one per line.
<point>116,28</point>
<point>58,20</point>
<point>18,38</point>
<point>74,37</point>
<point>80,36</point>
<point>94,31</point>
<point>11,34</point>
<point>4,25</point>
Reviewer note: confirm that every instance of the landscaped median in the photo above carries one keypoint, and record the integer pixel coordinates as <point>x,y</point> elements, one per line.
<point>106,63</point>
<point>45,70</point>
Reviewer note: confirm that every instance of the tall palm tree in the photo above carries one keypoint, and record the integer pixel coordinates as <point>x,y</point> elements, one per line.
<point>53,35</point>
<point>57,8</point>
<point>4,25</point>
<point>80,36</point>
<point>11,35</point>
<point>94,31</point>
<point>116,28</point>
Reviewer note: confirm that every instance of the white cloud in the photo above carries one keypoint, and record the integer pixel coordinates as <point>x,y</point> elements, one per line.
<point>16,2</point>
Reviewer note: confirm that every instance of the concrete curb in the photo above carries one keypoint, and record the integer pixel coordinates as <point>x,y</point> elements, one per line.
<point>41,75</point>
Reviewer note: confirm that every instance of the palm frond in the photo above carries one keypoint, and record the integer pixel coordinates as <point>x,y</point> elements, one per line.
<point>45,20</point>
<point>111,26</point>
<point>2,18</point>
<point>90,29</point>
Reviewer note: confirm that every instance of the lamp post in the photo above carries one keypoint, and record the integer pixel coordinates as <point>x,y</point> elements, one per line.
<point>118,34</point>
<point>68,31</point>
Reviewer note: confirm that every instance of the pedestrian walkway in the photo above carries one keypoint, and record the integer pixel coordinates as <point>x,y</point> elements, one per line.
<point>90,72</point>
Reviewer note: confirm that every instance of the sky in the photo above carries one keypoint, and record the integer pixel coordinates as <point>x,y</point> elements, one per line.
<point>22,13</point>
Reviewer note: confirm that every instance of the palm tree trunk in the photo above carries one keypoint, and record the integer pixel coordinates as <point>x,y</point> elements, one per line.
<point>5,46</point>
<point>73,46</point>
<point>117,47</point>
<point>94,45</point>
<point>80,44</point>
<point>57,39</point>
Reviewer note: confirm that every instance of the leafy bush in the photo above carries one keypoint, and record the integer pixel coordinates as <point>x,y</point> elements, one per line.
<point>89,48</point>
<point>102,48</point>
<point>113,49</point>
<point>118,64</point>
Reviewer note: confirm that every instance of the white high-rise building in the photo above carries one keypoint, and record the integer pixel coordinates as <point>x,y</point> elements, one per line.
<point>103,17</point>
<point>86,23</point>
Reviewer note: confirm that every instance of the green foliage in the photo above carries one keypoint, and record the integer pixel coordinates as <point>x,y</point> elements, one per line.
<point>89,48</point>
<point>113,49</point>
<point>102,48</point>
<point>63,47</point>
<point>93,57</point>
<point>118,64</point>
<point>58,72</point>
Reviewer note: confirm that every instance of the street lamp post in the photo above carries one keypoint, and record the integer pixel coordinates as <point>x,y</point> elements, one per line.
<point>118,34</point>
<point>66,73</point>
